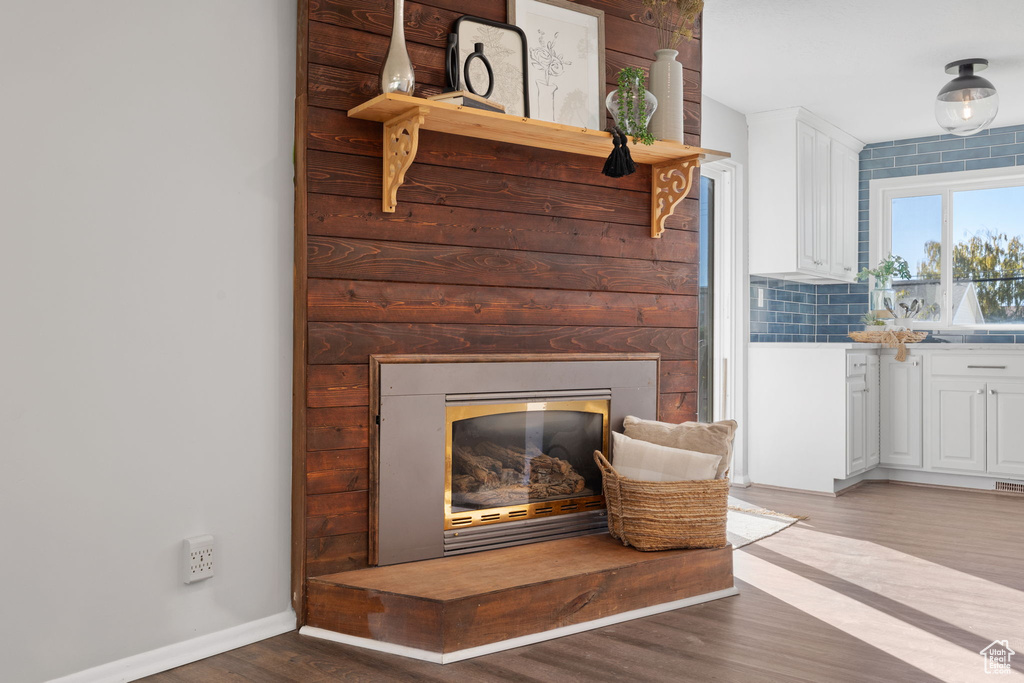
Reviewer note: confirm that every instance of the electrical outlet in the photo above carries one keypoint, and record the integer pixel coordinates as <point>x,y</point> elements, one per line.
<point>197,558</point>
<point>760,298</point>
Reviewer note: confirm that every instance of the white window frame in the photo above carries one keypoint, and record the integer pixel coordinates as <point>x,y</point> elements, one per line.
<point>731,306</point>
<point>883,190</point>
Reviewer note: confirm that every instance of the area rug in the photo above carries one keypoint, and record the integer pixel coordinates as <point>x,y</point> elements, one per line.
<point>748,523</point>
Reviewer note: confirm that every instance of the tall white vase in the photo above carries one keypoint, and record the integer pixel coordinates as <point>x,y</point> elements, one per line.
<point>666,83</point>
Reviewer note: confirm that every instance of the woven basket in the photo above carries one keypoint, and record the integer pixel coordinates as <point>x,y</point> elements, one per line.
<point>891,338</point>
<point>654,515</point>
<point>888,337</point>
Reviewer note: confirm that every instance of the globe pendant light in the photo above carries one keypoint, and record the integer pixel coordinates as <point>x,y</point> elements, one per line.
<point>968,103</point>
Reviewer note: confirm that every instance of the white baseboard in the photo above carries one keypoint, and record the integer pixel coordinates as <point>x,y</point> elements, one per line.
<point>469,653</point>
<point>186,652</point>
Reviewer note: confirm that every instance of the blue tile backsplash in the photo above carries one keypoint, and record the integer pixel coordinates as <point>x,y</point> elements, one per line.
<point>797,312</point>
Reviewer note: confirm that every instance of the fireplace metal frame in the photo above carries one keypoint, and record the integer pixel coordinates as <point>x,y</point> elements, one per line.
<point>633,381</point>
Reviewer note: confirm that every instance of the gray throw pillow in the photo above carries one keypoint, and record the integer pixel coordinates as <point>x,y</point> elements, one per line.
<point>704,437</point>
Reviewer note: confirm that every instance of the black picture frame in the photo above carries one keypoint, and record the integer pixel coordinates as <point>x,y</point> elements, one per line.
<point>501,42</point>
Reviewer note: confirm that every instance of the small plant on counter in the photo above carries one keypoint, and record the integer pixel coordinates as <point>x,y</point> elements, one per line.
<point>872,320</point>
<point>887,267</point>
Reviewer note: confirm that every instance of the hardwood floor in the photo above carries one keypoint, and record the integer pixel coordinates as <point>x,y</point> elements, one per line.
<point>887,582</point>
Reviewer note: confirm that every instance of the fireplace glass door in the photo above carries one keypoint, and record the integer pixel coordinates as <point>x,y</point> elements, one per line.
<point>508,462</point>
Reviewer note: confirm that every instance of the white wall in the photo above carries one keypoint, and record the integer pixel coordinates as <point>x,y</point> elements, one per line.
<point>724,129</point>
<point>145,317</point>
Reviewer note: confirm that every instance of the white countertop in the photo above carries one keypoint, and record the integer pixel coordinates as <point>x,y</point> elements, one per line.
<point>915,348</point>
<point>815,345</point>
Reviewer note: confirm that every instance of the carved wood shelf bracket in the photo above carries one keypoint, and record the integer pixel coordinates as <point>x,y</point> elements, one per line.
<point>672,163</point>
<point>401,138</point>
<point>670,183</point>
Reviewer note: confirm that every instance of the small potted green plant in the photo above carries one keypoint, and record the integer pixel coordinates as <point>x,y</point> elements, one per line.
<point>882,298</point>
<point>887,267</point>
<point>632,105</point>
<point>872,322</point>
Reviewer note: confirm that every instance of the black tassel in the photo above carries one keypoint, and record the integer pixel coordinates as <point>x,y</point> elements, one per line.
<point>619,162</point>
<point>627,157</point>
<point>612,164</point>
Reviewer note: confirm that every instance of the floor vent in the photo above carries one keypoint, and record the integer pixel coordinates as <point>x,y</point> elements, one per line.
<point>1011,487</point>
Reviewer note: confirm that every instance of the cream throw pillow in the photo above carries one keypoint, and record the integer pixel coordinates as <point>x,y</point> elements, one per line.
<point>644,461</point>
<point>703,437</point>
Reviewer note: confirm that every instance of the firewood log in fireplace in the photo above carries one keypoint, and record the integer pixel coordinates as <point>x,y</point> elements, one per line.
<point>490,474</point>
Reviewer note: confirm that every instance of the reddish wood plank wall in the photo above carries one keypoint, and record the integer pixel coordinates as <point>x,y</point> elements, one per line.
<point>494,248</point>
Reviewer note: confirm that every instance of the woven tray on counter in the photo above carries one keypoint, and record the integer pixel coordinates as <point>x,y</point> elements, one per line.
<point>891,338</point>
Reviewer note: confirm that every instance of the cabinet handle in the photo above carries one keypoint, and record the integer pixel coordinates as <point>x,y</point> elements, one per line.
<point>992,391</point>
<point>980,391</point>
<point>986,367</point>
<point>847,268</point>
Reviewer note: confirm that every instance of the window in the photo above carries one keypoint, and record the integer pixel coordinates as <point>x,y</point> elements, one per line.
<point>962,235</point>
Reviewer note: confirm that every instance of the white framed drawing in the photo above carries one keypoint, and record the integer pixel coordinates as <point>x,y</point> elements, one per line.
<point>565,46</point>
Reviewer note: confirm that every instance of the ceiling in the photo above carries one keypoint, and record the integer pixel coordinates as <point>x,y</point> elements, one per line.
<point>871,67</point>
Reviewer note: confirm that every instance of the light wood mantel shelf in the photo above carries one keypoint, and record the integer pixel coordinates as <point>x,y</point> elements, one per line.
<point>673,164</point>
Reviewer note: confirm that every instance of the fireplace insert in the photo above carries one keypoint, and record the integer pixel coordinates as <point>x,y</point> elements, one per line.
<point>471,453</point>
<point>517,461</point>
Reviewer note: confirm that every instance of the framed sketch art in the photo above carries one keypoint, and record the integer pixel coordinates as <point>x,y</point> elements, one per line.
<point>565,65</point>
<point>505,49</point>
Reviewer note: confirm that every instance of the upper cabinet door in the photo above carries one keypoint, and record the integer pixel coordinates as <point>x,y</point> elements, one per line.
<point>844,238</point>
<point>1006,428</point>
<point>822,198</point>
<point>807,196</point>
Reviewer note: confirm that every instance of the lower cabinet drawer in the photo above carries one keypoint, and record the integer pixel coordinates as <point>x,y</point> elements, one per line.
<point>856,364</point>
<point>977,366</point>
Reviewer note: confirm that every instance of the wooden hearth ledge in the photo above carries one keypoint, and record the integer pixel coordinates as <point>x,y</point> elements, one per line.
<point>454,608</point>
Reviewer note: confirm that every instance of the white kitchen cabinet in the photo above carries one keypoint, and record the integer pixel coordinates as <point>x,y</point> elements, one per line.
<point>856,425</point>
<point>861,413</point>
<point>824,416</point>
<point>958,424</point>
<point>975,404</point>
<point>808,197</point>
<point>844,202</point>
<point>796,428</point>
<point>900,412</point>
<point>1005,406</point>
<point>803,197</point>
